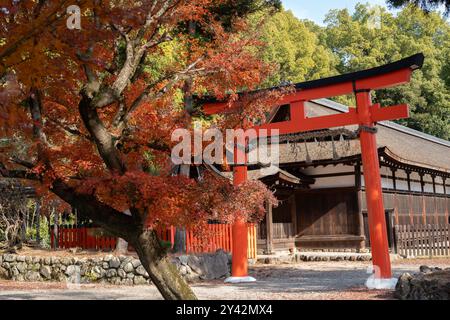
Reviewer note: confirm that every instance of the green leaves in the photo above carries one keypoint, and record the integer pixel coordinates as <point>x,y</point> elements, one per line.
<point>358,47</point>
<point>295,50</point>
<point>369,37</point>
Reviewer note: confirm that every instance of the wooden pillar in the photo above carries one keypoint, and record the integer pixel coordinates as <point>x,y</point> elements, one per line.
<point>394,185</point>
<point>433,178</point>
<point>408,178</point>
<point>424,205</point>
<point>394,179</point>
<point>294,214</point>
<point>358,176</point>
<point>269,229</point>
<point>436,214</point>
<point>361,227</point>
<point>410,210</point>
<point>358,185</point>
<point>239,263</point>
<point>444,180</point>
<point>374,195</point>
<point>422,183</point>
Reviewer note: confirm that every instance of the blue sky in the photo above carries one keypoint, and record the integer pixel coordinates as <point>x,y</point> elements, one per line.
<point>317,9</point>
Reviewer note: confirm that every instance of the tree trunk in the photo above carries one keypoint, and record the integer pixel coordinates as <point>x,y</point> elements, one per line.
<point>122,244</point>
<point>162,272</point>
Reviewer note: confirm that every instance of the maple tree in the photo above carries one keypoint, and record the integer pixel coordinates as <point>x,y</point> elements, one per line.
<point>87,115</point>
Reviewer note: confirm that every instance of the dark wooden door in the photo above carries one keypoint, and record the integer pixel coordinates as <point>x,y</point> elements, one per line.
<point>327,212</point>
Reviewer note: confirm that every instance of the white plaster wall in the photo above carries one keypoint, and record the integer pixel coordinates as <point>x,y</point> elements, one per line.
<point>428,188</point>
<point>402,185</point>
<point>439,185</point>
<point>440,189</point>
<point>415,186</point>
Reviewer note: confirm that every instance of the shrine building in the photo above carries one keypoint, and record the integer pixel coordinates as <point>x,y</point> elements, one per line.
<point>321,190</point>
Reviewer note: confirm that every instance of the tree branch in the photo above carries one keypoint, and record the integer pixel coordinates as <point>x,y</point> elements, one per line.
<point>18,174</point>
<point>172,80</point>
<point>107,217</point>
<point>23,163</point>
<point>69,130</point>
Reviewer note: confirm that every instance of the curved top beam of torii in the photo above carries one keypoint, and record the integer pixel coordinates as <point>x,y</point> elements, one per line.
<point>386,76</point>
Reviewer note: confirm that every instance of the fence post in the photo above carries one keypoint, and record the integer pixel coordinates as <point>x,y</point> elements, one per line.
<point>172,236</point>
<point>447,238</point>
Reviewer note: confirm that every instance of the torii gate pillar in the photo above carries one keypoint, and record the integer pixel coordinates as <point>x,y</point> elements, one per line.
<point>374,195</point>
<point>239,263</point>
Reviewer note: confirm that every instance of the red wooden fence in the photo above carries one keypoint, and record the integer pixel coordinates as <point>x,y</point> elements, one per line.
<point>216,236</point>
<point>81,237</point>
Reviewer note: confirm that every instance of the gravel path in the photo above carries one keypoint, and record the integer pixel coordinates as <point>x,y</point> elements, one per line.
<point>312,280</point>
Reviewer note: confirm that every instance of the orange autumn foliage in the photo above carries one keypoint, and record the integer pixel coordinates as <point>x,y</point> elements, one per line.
<point>69,67</point>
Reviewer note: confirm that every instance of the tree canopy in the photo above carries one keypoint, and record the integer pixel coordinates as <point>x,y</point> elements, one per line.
<point>426,5</point>
<point>369,37</point>
<point>87,115</point>
<point>295,49</point>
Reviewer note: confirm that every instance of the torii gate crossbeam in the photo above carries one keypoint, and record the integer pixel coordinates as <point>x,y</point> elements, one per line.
<point>366,115</point>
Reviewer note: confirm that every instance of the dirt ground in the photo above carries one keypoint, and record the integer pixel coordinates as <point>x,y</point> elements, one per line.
<point>303,281</point>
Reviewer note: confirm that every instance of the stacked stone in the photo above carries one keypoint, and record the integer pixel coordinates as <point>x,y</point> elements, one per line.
<point>117,270</point>
<point>110,269</point>
<point>204,267</point>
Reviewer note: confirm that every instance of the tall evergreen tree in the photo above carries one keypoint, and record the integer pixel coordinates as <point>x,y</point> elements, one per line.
<point>426,5</point>
<point>294,50</point>
<point>373,36</point>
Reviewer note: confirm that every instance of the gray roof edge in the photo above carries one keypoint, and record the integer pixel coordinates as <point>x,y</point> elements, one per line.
<point>389,124</point>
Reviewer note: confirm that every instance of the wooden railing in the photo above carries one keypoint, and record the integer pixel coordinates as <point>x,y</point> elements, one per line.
<point>89,238</point>
<point>432,240</point>
<point>216,236</point>
<point>219,236</point>
<point>280,231</point>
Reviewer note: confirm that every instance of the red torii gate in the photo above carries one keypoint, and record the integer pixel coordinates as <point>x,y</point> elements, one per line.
<point>365,115</point>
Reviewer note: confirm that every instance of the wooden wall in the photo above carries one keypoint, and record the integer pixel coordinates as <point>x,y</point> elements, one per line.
<point>282,213</point>
<point>415,208</point>
<point>327,212</point>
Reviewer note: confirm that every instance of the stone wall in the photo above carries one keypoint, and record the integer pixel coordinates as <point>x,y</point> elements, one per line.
<point>117,270</point>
